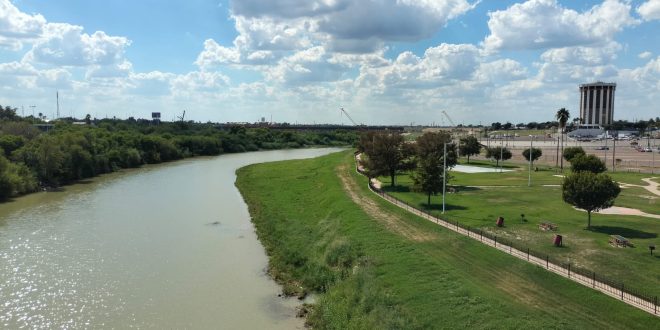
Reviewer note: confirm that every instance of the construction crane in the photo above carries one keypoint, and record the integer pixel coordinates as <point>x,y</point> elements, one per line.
<point>182,115</point>
<point>348,116</point>
<point>448,118</point>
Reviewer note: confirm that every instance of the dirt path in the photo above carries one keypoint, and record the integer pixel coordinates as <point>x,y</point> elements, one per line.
<point>391,221</point>
<point>652,186</point>
<point>617,210</point>
<point>587,281</point>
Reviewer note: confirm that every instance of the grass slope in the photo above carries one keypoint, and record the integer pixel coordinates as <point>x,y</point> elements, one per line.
<point>376,266</point>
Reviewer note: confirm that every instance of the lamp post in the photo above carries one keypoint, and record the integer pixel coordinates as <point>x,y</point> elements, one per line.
<point>606,135</point>
<point>529,181</point>
<point>444,177</point>
<point>501,150</point>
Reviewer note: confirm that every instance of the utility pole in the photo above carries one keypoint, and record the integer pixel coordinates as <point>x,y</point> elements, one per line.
<point>529,180</point>
<point>501,151</point>
<point>444,177</point>
<point>614,154</point>
<point>606,135</point>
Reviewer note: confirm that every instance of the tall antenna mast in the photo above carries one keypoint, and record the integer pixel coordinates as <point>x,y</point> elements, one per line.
<point>57,95</point>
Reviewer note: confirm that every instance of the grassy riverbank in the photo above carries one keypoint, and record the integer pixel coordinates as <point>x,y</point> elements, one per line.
<point>376,266</point>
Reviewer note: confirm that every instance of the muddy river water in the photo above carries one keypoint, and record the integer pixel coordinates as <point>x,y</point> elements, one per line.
<point>166,246</point>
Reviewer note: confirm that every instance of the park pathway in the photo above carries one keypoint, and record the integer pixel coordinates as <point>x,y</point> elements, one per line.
<point>589,281</point>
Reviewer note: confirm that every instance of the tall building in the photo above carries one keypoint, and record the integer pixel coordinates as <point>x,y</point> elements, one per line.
<point>597,103</point>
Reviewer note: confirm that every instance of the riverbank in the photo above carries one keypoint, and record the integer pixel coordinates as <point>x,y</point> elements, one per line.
<point>375,266</point>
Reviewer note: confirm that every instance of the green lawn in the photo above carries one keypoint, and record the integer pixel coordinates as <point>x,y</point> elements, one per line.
<point>482,197</point>
<point>378,267</point>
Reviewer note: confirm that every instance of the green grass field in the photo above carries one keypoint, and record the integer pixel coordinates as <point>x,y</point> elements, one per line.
<point>375,266</point>
<point>482,197</point>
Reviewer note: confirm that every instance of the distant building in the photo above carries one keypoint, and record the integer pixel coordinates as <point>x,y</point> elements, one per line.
<point>155,117</point>
<point>597,103</point>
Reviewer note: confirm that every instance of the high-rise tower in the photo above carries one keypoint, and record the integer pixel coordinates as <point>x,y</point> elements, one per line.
<point>597,103</point>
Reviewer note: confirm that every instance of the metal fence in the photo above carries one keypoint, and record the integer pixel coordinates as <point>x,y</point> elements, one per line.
<point>613,288</point>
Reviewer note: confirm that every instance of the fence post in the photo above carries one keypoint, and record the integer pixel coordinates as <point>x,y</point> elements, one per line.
<point>593,280</point>
<point>495,241</point>
<point>547,261</point>
<point>621,291</point>
<point>569,270</point>
<point>655,305</point>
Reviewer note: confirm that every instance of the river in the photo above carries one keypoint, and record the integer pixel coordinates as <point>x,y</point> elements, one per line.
<point>164,246</point>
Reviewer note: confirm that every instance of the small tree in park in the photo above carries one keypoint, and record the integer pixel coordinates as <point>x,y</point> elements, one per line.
<point>469,146</point>
<point>572,152</point>
<point>430,171</point>
<point>588,163</point>
<point>536,154</point>
<point>589,191</point>
<point>498,153</point>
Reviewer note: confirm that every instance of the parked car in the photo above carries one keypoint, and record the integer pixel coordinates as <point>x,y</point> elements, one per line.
<point>602,148</point>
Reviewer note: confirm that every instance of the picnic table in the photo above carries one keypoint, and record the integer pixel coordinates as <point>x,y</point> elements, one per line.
<point>545,226</point>
<point>619,241</point>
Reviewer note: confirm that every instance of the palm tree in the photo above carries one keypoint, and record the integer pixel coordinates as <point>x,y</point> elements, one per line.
<point>562,117</point>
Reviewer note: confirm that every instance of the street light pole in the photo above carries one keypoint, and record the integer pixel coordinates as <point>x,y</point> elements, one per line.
<point>444,177</point>
<point>501,150</point>
<point>606,134</point>
<point>529,181</point>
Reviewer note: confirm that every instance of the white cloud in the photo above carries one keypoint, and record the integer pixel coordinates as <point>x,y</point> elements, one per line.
<point>583,55</point>
<point>650,10</point>
<point>17,27</point>
<point>67,45</point>
<point>645,55</point>
<point>442,65</point>
<point>539,24</point>
<point>500,72</point>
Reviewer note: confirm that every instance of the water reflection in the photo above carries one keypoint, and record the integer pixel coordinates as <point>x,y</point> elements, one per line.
<point>167,246</point>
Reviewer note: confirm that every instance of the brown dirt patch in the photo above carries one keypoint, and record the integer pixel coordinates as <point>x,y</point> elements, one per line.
<point>392,222</point>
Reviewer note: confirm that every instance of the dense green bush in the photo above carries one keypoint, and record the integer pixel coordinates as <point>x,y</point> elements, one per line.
<point>69,152</point>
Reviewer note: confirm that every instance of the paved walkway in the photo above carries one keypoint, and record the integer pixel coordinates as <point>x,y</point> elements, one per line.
<point>591,282</point>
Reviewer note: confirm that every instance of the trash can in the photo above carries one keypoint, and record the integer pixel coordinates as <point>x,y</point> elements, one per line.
<point>500,221</point>
<point>557,240</point>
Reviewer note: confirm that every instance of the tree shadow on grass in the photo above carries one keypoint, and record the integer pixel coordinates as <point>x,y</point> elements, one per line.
<point>438,207</point>
<point>625,232</point>
<point>388,188</point>
<point>466,188</point>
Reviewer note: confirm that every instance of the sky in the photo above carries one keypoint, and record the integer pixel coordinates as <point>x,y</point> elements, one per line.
<point>395,62</point>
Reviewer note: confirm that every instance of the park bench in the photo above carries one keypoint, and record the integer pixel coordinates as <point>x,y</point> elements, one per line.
<point>619,241</point>
<point>545,226</point>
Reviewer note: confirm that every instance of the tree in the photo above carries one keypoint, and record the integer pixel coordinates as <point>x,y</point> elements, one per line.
<point>8,113</point>
<point>562,117</point>
<point>384,155</point>
<point>589,191</point>
<point>469,146</point>
<point>587,163</point>
<point>496,125</point>
<point>536,154</point>
<point>430,172</point>
<point>572,152</point>
<point>498,153</point>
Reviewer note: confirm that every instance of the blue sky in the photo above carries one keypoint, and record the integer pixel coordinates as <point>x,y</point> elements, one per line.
<point>385,61</point>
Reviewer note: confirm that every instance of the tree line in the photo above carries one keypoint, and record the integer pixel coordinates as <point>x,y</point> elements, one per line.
<point>31,159</point>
